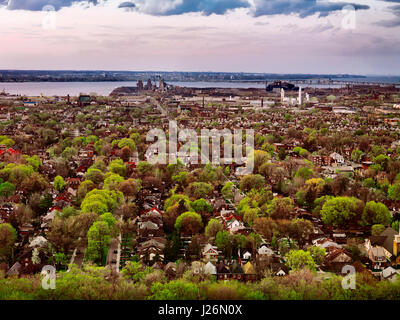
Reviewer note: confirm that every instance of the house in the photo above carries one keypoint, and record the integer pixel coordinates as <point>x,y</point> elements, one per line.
<point>153,215</point>
<point>170,270</point>
<point>233,223</point>
<point>249,272</point>
<point>223,272</point>
<point>377,256</point>
<point>84,100</point>
<point>210,253</point>
<point>5,212</point>
<point>264,250</point>
<point>337,158</point>
<point>149,229</point>
<point>279,269</point>
<point>30,103</point>
<point>39,242</point>
<point>246,256</point>
<point>26,229</point>
<point>339,237</point>
<point>390,240</point>
<point>335,260</point>
<point>49,217</point>
<point>197,267</point>
<point>209,268</point>
<point>152,248</point>
<point>326,244</point>
<point>321,160</point>
<point>15,270</point>
<point>73,183</point>
<point>390,274</point>
<point>236,270</point>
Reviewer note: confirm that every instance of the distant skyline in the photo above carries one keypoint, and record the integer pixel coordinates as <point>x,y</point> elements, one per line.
<point>205,71</point>
<point>256,36</point>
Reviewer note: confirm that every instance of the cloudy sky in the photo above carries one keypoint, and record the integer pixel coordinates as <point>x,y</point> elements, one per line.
<point>277,36</point>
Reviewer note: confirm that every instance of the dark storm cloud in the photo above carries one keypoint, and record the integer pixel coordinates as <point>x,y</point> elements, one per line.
<point>127,5</point>
<point>208,6</point>
<point>37,5</point>
<point>204,6</point>
<point>174,7</point>
<point>303,8</point>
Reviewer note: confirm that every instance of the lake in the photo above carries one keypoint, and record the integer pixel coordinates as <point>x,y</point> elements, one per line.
<point>105,88</point>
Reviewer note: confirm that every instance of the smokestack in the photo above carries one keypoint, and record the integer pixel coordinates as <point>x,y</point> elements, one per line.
<point>300,97</point>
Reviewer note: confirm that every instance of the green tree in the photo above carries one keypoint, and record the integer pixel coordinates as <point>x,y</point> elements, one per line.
<point>317,253</point>
<point>144,168</point>
<point>252,181</point>
<point>7,142</point>
<point>383,161</point>
<point>59,183</point>
<point>135,271</point>
<point>94,175</point>
<point>224,243</point>
<point>8,235</point>
<point>98,242</point>
<point>201,206</point>
<point>368,183</point>
<point>101,201</point>
<point>376,213</point>
<point>356,155</point>
<point>33,161</point>
<point>117,166</point>
<point>212,228</point>
<point>111,222</point>
<point>377,229</point>
<point>394,192</point>
<point>127,142</point>
<point>69,152</point>
<point>305,173</point>
<point>299,259</point>
<point>199,190</point>
<point>250,215</point>
<point>341,210</point>
<point>189,223</point>
<point>84,188</point>
<point>174,290</point>
<point>112,181</point>
<point>227,190</point>
<point>181,178</point>
<point>7,189</point>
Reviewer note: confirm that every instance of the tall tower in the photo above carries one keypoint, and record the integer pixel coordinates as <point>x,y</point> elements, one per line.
<point>282,94</point>
<point>160,83</point>
<point>300,97</point>
<point>140,85</point>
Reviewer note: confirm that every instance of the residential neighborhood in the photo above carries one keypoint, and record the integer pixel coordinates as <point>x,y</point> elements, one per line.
<point>80,192</point>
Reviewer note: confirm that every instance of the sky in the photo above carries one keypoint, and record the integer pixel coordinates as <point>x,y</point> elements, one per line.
<point>271,36</point>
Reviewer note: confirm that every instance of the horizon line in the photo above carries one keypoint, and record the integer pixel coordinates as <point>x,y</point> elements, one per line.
<point>180,71</point>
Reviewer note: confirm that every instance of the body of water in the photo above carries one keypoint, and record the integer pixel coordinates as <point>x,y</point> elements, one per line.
<point>105,88</point>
